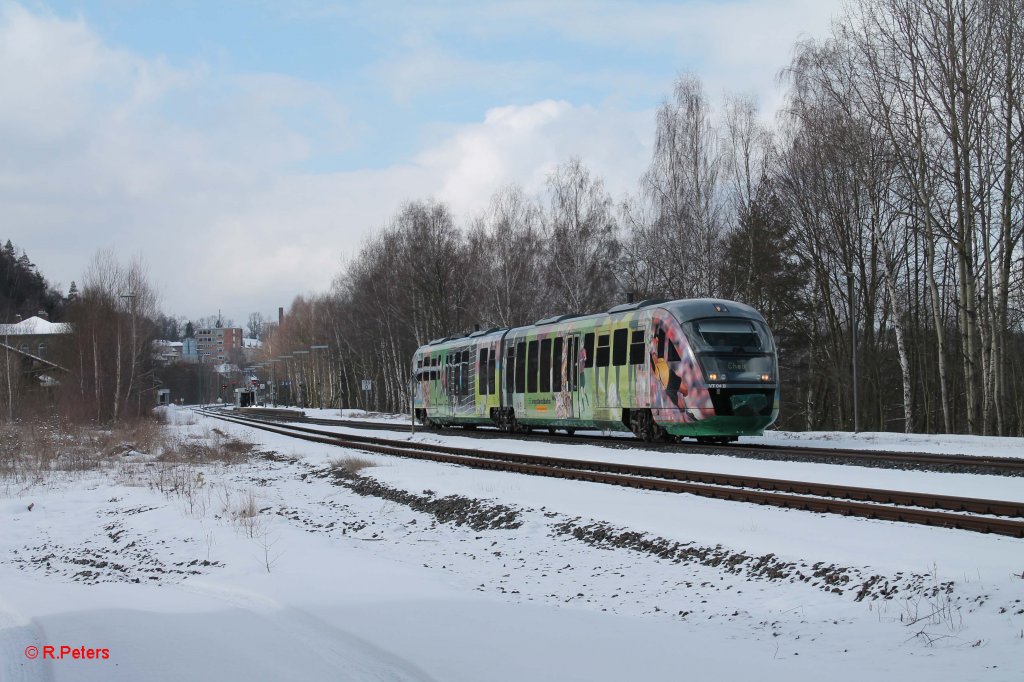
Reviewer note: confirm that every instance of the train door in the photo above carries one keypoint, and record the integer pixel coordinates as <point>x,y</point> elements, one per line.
<point>479,387</point>
<point>563,376</point>
<point>602,369</point>
<point>451,379</point>
<point>484,388</point>
<point>573,369</point>
<point>508,371</point>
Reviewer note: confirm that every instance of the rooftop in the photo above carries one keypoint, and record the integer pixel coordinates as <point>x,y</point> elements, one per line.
<point>34,326</point>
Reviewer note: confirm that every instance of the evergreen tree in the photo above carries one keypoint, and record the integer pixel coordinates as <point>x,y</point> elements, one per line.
<point>23,289</point>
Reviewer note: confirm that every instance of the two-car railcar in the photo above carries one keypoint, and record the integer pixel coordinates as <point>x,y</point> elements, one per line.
<point>701,368</point>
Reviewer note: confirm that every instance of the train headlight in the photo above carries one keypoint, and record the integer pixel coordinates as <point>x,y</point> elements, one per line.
<point>766,377</point>
<point>713,376</point>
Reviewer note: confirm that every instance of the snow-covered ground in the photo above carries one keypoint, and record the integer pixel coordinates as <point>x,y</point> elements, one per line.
<point>410,570</point>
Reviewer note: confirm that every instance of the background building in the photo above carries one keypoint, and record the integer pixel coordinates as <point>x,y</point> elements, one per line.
<point>216,343</point>
<point>35,336</point>
<point>189,349</point>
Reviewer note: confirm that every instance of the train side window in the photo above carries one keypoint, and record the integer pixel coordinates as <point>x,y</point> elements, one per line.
<point>545,366</point>
<point>492,365</point>
<point>465,372</point>
<point>620,341</point>
<point>521,367</point>
<point>588,349</point>
<point>509,369</point>
<point>673,352</point>
<point>556,379</point>
<point>603,350</point>
<point>636,348</point>
<point>482,386</point>
<point>531,366</point>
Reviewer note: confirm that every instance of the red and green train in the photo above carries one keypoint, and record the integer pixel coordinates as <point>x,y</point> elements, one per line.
<point>700,368</point>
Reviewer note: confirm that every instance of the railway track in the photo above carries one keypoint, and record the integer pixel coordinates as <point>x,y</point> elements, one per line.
<point>980,515</point>
<point>996,466</point>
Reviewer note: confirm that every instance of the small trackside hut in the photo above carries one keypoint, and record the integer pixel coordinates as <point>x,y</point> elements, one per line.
<point>702,368</point>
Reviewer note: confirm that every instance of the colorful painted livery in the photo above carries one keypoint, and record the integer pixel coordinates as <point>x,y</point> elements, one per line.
<point>701,368</point>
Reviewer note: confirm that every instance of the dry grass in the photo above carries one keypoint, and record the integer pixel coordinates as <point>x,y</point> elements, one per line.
<point>145,452</point>
<point>31,452</point>
<point>351,465</point>
<point>213,446</point>
<point>247,515</point>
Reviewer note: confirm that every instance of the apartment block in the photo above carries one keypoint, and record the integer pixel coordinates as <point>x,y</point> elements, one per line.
<point>214,344</point>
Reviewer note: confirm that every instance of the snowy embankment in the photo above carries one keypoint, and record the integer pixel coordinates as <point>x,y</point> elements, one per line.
<point>273,566</point>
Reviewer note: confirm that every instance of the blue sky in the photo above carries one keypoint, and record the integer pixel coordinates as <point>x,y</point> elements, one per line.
<point>198,134</point>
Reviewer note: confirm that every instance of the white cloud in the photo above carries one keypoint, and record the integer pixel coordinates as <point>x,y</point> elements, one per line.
<point>292,237</point>
<point>195,170</point>
<point>735,45</point>
<point>524,144</point>
<point>198,170</point>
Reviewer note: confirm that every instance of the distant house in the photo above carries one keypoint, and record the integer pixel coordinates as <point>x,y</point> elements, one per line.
<point>167,352</point>
<point>36,342</point>
<point>251,349</point>
<point>35,336</point>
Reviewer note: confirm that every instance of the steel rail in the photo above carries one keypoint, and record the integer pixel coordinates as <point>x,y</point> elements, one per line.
<point>1007,465</point>
<point>830,498</point>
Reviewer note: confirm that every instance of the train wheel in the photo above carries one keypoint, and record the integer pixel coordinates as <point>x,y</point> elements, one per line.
<point>642,423</point>
<point>507,421</point>
<point>570,431</point>
<point>552,430</point>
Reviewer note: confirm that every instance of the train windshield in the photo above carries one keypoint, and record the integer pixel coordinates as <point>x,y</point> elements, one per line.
<point>730,336</point>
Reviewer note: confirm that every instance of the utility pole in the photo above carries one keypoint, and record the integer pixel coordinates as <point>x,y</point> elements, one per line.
<point>138,394</point>
<point>7,366</point>
<point>319,378</point>
<point>853,346</point>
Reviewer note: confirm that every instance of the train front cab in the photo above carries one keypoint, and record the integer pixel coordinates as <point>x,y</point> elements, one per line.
<point>715,370</point>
